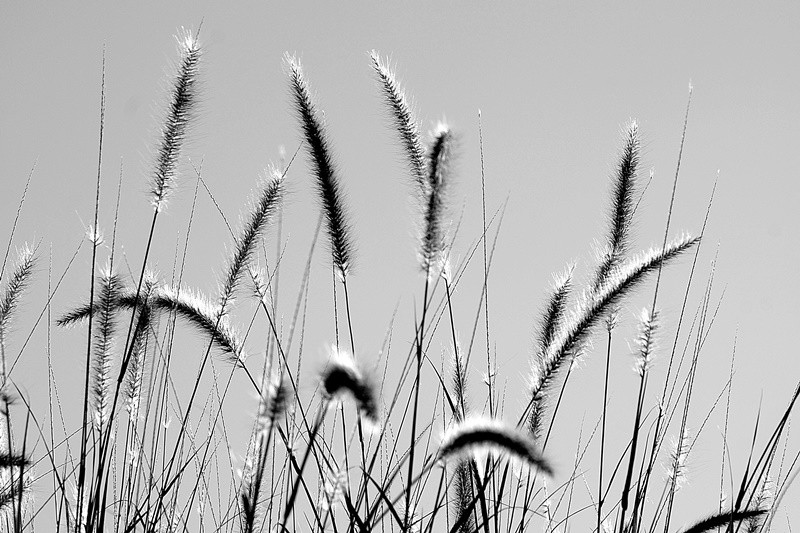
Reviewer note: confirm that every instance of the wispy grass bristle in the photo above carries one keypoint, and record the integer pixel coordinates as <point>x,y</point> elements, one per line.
<point>327,180</point>
<point>549,324</point>
<point>486,434</point>
<point>182,104</point>
<point>343,376</point>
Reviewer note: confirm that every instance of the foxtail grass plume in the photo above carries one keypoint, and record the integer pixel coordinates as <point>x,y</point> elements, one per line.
<point>327,180</point>
<point>182,103</point>
<point>622,206</point>
<point>134,373</point>
<point>549,325</point>
<point>245,244</point>
<point>463,494</point>
<point>722,520</point>
<point>343,376</point>
<point>486,434</point>
<point>10,299</point>
<point>105,329</point>
<point>272,405</point>
<point>191,306</point>
<point>645,341</point>
<point>459,381</point>
<point>676,472</point>
<point>273,402</point>
<point>553,315</point>
<point>439,160</point>
<point>403,120</point>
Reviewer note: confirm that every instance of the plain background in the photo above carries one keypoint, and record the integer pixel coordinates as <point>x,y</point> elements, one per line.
<point>555,82</point>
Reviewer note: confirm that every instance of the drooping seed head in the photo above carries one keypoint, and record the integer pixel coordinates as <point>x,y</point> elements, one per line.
<point>343,376</point>
<point>486,434</point>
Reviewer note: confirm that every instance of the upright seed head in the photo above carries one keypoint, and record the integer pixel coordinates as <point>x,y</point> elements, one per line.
<point>181,107</point>
<point>327,180</point>
<point>432,246</point>
<point>646,342</point>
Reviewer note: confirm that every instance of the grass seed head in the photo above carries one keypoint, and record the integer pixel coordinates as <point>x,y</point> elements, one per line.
<point>343,376</point>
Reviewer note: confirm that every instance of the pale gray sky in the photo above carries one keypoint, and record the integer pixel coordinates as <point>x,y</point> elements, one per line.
<point>556,82</point>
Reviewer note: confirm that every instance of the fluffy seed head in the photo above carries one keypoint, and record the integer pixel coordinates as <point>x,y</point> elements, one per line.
<point>486,434</point>
<point>343,376</point>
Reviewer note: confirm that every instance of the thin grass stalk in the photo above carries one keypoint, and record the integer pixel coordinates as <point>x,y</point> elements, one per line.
<point>611,322</point>
<point>430,258</point>
<point>643,381</point>
<point>684,418</point>
<point>87,371</point>
<point>645,343</point>
<point>16,220</point>
<point>253,230</point>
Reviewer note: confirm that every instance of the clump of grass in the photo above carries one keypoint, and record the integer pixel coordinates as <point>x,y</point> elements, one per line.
<point>133,470</point>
